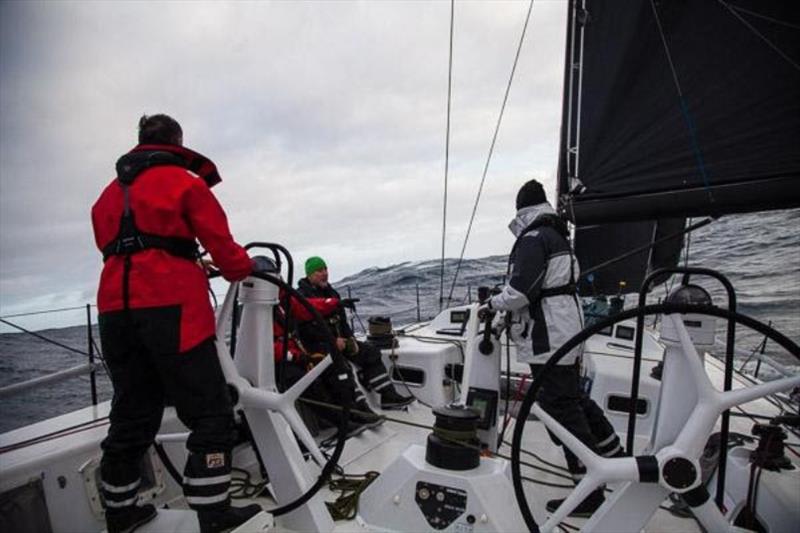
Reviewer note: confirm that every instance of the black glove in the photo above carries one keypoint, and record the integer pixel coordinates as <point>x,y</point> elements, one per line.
<point>349,303</point>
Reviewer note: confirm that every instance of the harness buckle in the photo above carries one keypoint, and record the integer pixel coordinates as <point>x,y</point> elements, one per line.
<point>129,245</point>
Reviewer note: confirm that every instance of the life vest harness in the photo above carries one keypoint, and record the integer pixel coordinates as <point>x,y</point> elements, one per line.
<point>131,240</point>
<point>558,225</point>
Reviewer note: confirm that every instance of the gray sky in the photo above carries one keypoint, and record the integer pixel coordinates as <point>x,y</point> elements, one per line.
<point>326,120</point>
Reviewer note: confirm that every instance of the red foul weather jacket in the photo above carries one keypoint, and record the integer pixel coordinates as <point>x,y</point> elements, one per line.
<point>169,197</point>
<point>294,353</point>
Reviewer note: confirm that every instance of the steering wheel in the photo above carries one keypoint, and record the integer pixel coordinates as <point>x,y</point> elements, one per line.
<point>674,467</point>
<point>284,403</point>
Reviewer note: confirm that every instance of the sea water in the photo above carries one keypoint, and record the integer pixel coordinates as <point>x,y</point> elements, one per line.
<point>759,253</point>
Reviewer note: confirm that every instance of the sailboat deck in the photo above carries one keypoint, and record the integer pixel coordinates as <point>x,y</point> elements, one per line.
<point>375,448</point>
<point>71,444</point>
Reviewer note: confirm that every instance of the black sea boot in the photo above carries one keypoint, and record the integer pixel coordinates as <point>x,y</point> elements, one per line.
<point>120,488</point>
<point>127,519</point>
<point>364,415</point>
<point>219,520</point>
<point>390,399</point>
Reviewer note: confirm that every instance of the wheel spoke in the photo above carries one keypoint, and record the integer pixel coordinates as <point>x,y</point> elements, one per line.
<point>738,397</point>
<point>711,403</point>
<point>582,490</point>
<point>301,430</point>
<point>570,441</point>
<point>712,519</point>
<point>294,392</point>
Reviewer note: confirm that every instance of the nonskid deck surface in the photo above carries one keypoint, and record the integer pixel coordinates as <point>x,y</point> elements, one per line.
<point>376,448</point>
<point>372,450</point>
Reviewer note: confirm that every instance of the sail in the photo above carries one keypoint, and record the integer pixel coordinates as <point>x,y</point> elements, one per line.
<point>595,245</point>
<point>691,112</point>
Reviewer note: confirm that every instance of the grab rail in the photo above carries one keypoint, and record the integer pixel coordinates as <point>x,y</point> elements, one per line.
<point>54,377</point>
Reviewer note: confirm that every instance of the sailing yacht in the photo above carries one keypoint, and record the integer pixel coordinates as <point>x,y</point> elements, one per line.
<point>671,110</point>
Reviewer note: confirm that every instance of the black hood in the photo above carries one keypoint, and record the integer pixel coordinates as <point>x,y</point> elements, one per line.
<point>308,290</point>
<point>145,156</point>
<point>304,284</point>
<point>132,164</point>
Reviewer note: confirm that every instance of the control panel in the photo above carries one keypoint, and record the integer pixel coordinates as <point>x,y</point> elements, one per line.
<point>441,505</point>
<point>485,402</point>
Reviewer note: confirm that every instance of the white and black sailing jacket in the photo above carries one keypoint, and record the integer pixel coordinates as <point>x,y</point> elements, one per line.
<point>541,260</point>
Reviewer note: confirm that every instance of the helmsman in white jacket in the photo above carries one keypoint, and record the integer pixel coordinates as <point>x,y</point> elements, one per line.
<point>545,312</point>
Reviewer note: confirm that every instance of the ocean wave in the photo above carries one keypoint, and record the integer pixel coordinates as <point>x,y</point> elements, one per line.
<point>761,262</point>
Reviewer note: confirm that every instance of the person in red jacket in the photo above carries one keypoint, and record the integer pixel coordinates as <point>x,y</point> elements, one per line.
<point>157,325</point>
<point>336,385</point>
<point>295,352</point>
<point>372,371</point>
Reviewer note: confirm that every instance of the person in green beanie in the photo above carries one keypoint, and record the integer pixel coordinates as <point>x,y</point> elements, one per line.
<point>373,374</point>
<point>315,264</point>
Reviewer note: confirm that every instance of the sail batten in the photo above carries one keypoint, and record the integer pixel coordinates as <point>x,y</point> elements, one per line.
<point>744,197</point>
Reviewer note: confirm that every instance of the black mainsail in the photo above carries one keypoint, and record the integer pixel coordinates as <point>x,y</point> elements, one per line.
<point>675,109</point>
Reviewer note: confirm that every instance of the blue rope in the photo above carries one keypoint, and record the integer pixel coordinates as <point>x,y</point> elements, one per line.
<point>684,108</point>
<point>696,147</point>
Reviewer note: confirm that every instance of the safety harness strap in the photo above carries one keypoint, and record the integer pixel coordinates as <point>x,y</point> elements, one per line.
<point>130,239</point>
<point>177,246</point>
<point>566,289</point>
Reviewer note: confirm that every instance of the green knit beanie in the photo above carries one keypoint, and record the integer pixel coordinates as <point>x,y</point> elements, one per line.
<point>313,264</point>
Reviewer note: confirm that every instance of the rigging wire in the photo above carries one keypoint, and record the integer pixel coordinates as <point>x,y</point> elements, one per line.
<point>447,151</point>
<point>684,108</point>
<point>51,341</point>
<point>629,253</point>
<point>760,347</point>
<point>760,35</point>
<point>46,311</point>
<point>491,150</point>
<point>760,16</point>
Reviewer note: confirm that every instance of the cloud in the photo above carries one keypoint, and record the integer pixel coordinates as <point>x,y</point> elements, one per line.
<point>327,120</point>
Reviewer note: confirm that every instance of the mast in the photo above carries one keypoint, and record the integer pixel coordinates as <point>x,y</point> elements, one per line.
<point>566,160</point>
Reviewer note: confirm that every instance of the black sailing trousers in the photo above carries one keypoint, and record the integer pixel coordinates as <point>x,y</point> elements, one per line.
<point>562,397</point>
<point>141,351</point>
<point>372,372</point>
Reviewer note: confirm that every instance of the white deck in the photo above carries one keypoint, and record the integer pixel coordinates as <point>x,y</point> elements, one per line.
<point>64,460</point>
